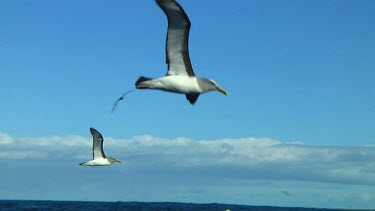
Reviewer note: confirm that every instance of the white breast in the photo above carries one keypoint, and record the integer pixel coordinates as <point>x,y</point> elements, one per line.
<point>177,83</point>
<point>98,162</point>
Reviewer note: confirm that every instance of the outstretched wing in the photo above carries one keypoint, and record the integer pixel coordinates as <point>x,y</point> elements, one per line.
<point>177,57</point>
<point>97,146</point>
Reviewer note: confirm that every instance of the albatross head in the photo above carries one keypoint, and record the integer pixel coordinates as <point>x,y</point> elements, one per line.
<point>113,160</point>
<point>210,85</point>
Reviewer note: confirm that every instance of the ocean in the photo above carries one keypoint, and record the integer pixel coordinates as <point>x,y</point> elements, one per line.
<point>138,206</point>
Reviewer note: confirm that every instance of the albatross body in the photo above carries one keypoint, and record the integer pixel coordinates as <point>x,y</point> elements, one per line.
<point>180,77</point>
<point>99,158</point>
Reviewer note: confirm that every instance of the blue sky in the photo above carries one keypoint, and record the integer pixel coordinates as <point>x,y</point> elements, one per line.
<point>299,73</point>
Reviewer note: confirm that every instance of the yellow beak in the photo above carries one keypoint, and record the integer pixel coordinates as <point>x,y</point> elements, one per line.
<point>219,89</point>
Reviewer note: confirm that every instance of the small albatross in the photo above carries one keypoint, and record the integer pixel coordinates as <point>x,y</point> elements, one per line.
<point>99,158</point>
<point>120,98</point>
<point>180,77</point>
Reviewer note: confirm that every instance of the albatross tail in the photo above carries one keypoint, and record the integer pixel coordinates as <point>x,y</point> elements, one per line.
<point>143,83</point>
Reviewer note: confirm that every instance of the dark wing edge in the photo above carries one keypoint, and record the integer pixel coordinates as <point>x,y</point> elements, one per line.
<point>97,139</point>
<point>114,106</point>
<point>168,8</point>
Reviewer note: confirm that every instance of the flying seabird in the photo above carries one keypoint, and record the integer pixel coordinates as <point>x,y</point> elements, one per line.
<point>99,158</point>
<point>180,77</point>
<point>121,98</point>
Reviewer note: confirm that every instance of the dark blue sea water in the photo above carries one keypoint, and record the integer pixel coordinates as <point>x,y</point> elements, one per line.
<point>137,206</point>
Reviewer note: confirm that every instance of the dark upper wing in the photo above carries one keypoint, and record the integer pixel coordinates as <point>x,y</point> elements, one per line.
<point>97,146</point>
<point>178,59</point>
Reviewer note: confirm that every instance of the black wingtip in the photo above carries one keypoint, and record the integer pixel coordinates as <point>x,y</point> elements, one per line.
<point>164,1</point>
<point>93,131</point>
<point>192,98</point>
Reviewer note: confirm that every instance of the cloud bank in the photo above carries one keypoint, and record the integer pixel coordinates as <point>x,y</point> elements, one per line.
<point>241,158</point>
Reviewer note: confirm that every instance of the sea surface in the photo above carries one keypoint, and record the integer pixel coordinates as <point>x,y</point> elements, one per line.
<point>138,206</point>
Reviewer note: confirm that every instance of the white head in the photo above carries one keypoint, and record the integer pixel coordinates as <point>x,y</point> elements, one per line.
<point>210,85</point>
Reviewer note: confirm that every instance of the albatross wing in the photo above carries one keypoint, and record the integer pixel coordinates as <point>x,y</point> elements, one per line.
<point>97,146</point>
<point>192,98</point>
<point>177,56</point>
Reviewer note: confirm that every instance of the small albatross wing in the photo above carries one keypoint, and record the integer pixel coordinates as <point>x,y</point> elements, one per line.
<point>177,52</point>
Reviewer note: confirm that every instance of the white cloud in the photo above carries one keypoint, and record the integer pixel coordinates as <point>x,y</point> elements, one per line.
<point>5,138</point>
<point>245,158</point>
<point>21,155</point>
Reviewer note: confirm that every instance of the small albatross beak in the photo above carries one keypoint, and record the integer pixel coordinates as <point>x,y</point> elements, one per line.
<point>219,89</point>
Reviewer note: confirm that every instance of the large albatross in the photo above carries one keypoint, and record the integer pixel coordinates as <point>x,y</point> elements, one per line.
<point>180,77</point>
<point>98,156</point>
